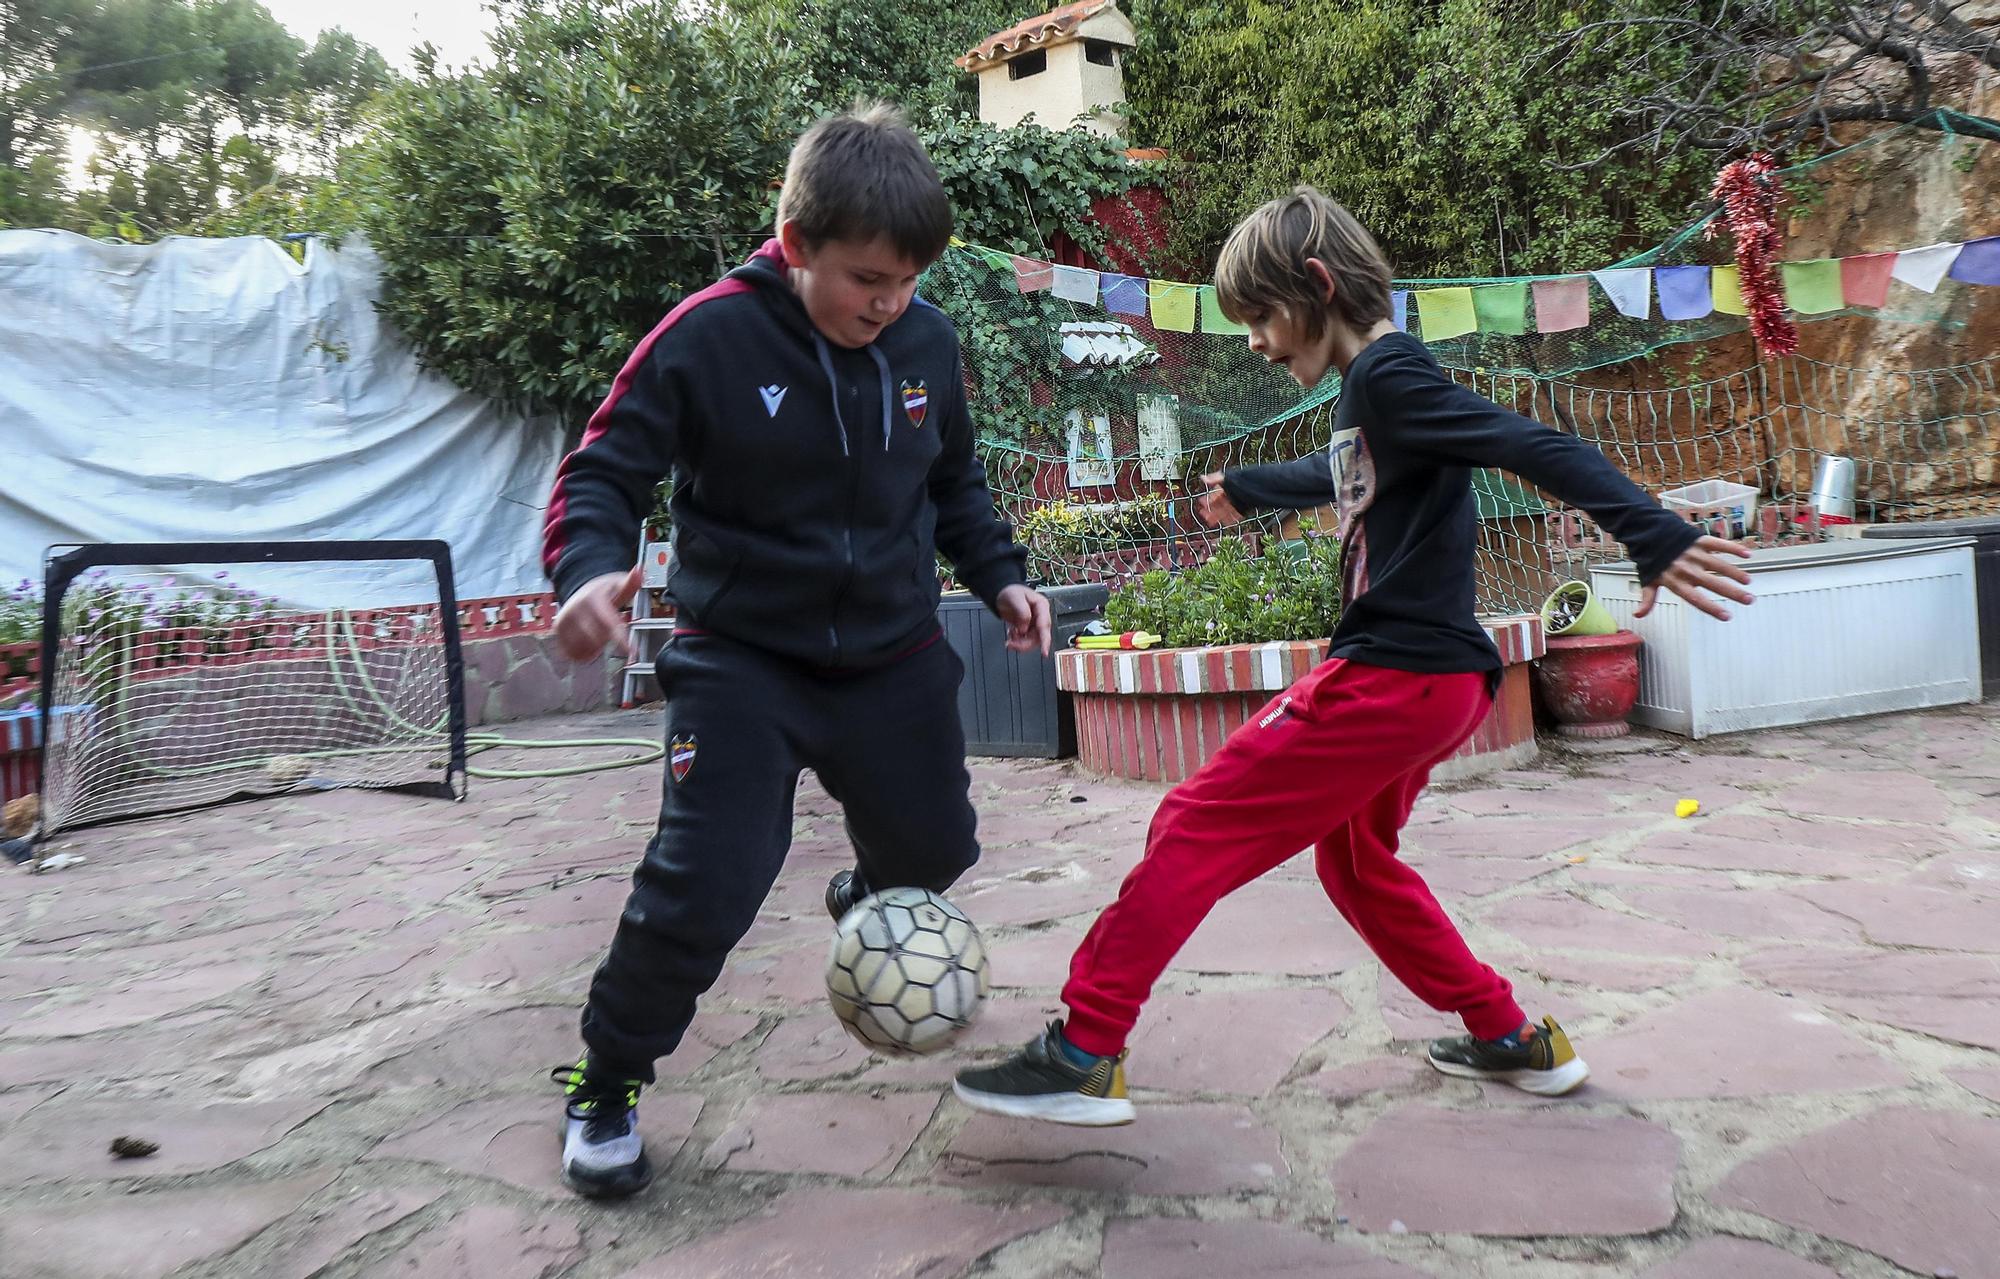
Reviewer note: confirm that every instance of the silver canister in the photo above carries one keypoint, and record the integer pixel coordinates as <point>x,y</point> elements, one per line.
<point>1833,487</point>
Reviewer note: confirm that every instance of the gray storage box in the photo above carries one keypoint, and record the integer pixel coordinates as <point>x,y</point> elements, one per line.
<point>1985,532</point>
<point>1009,702</point>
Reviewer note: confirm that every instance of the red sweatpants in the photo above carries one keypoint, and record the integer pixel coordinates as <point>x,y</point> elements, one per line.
<point>1336,761</point>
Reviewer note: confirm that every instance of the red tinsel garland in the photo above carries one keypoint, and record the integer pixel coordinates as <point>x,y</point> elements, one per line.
<point>1749,195</point>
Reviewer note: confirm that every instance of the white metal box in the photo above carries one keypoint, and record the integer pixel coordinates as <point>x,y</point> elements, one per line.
<point>1839,629</point>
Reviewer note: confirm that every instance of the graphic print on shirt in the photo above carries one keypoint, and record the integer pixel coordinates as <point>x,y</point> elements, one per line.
<point>1354,489</point>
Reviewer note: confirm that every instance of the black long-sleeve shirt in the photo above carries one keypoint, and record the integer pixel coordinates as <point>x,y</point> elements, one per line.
<point>1406,439</point>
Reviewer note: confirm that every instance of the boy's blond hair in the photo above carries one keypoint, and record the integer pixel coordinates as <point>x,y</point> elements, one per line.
<point>863,175</point>
<point>1263,265</point>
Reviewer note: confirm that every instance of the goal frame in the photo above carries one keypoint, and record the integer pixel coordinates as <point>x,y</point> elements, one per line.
<point>63,564</point>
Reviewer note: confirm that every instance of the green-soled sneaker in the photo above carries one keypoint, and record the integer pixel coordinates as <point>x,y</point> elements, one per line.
<point>1542,1063</point>
<point>1040,1082</point>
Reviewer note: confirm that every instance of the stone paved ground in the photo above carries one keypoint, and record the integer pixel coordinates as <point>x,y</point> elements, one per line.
<point>333,1014</point>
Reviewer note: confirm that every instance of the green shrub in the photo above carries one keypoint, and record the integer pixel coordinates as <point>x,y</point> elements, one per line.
<point>1293,593</point>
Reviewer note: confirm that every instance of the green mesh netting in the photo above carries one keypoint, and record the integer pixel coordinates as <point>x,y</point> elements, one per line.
<point>1096,426</point>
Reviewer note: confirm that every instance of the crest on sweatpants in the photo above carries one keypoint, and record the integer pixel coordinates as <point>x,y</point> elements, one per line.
<point>680,755</point>
<point>916,401</point>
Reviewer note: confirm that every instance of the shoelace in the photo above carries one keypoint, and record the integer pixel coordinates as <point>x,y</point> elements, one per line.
<point>601,1103</point>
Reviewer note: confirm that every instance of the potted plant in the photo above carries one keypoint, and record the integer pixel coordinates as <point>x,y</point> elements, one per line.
<point>1237,630</point>
<point>1589,677</point>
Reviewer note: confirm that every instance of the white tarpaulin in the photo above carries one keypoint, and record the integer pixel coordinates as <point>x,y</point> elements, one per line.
<point>217,390</point>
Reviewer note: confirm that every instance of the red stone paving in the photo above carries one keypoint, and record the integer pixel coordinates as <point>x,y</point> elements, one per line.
<point>1916,1186</point>
<point>1199,1148</point>
<point>489,1242</point>
<point>843,1134</point>
<point>335,1014</point>
<point>1540,1172</point>
<point>832,1234</point>
<point>113,1236</point>
<point>1737,1043</point>
<point>1168,1248</point>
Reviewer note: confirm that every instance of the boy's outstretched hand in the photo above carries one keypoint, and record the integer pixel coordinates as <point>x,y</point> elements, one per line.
<point>1026,612</point>
<point>590,619</point>
<point>1701,573</point>
<point>1214,507</point>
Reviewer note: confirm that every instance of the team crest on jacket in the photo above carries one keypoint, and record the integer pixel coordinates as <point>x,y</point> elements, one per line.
<point>916,401</point>
<point>680,755</point>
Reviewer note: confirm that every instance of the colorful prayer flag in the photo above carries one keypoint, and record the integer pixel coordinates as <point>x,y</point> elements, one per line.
<point>1725,288</point>
<point>1925,268</point>
<point>1399,308</point>
<point>1446,313</point>
<point>1501,308</point>
<point>1562,305</point>
<point>1684,292</point>
<point>1864,279</point>
<point>1978,262</point>
<point>1813,287</point>
<point>1124,294</point>
<point>1173,306</point>
<point>1075,284</point>
<point>1031,276</point>
<point>1629,288</point>
<point>1212,318</point>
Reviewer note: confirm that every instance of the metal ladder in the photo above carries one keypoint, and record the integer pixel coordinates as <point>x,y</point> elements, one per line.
<point>647,631</point>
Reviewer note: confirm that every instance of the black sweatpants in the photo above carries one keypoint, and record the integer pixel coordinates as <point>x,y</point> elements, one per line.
<point>885,743</point>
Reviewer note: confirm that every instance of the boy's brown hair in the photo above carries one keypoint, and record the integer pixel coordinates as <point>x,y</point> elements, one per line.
<point>1263,264</point>
<point>863,176</point>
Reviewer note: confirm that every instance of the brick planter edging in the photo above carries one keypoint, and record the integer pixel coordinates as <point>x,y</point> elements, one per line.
<point>1159,714</point>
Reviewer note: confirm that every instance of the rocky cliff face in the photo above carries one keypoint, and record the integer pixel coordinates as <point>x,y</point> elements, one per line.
<point>1911,393</point>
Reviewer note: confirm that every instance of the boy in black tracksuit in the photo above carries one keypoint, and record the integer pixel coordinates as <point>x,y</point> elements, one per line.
<point>815,425</point>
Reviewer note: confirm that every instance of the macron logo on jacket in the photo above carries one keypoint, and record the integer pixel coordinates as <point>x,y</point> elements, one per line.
<point>773,397</point>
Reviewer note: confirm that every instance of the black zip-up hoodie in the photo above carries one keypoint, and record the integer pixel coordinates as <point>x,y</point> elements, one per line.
<point>812,483</point>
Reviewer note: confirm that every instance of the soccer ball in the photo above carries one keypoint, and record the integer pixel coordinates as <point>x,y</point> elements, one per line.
<point>907,972</point>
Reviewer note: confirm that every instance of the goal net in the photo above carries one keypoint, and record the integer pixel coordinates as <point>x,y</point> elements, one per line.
<point>178,675</point>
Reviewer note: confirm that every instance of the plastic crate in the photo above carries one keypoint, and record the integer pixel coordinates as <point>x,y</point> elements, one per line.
<point>1724,508</point>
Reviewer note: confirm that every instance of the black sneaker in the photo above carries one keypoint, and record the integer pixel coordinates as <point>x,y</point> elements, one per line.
<point>603,1156</point>
<point>1040,1082</point>
<point>842,892</point>
<point>1542,1063</point>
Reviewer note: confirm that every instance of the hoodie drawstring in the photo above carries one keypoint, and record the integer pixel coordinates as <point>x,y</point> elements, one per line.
<point>833,386</point>
<point>833,389</point>
<point>882,367</point>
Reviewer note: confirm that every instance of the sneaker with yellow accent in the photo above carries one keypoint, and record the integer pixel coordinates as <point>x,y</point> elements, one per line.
<point>1536,1059</point>
<point>603,1156</point>
<point>1043,1081</point>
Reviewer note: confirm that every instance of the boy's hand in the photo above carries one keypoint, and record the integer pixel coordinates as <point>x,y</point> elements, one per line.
<point>1701,572</point>
<point>1214,506</point>
<point>1026,613</point>
<point>596,615</point>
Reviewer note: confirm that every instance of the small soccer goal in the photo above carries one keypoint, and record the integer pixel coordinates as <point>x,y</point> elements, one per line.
<point>178,675</point>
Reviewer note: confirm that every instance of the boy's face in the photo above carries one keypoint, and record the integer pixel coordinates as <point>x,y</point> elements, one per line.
<point>1280,337</point>
<point>852,289</point>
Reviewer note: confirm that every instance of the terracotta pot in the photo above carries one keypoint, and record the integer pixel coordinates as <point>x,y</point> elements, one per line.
<point>1590,683</point>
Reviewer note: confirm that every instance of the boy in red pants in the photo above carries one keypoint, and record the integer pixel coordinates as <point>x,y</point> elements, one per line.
<point>1337,760</point>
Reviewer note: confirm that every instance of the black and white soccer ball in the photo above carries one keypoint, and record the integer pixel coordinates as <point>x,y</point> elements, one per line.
<point>907,972</point>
